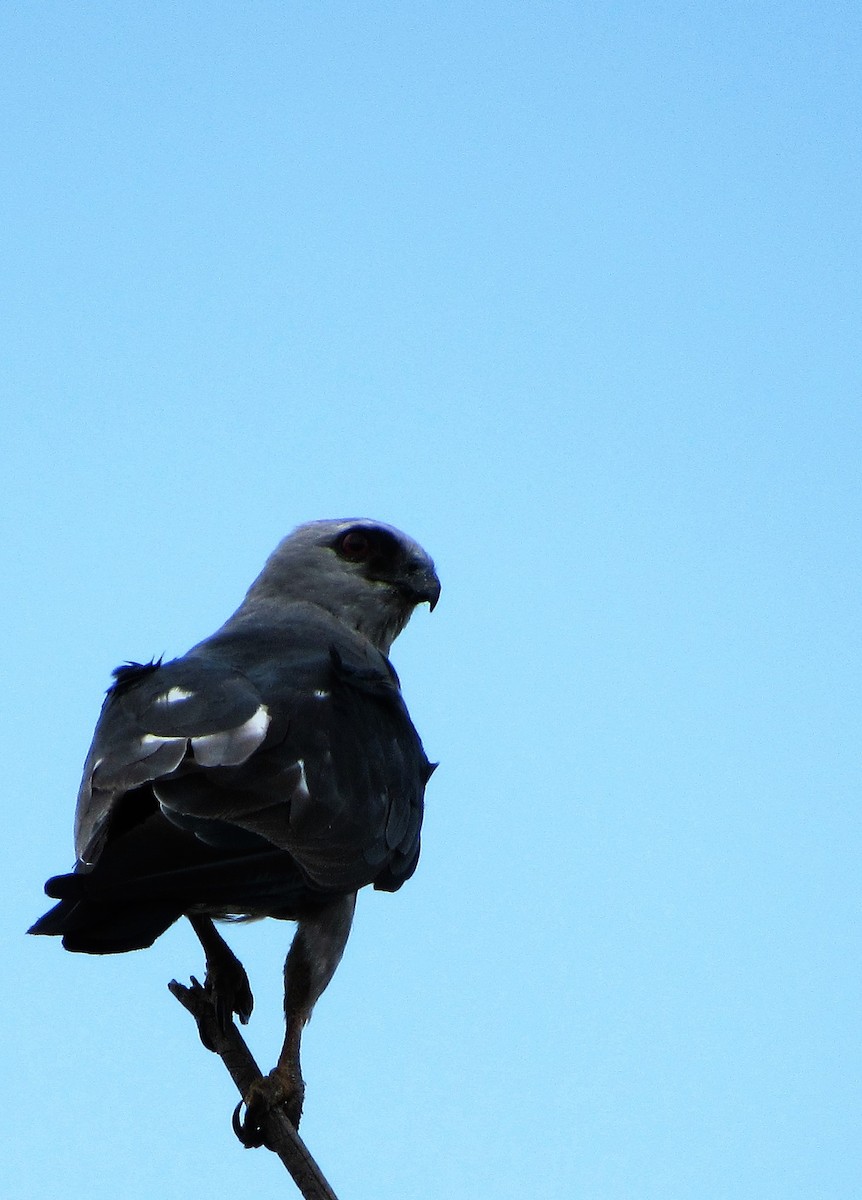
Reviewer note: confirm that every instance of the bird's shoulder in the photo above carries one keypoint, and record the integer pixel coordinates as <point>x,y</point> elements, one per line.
<point>296,682</point>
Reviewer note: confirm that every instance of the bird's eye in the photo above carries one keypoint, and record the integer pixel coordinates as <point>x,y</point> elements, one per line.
<point>354,546</point>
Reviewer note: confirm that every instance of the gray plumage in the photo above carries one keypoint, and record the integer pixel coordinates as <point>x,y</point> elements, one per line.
<point>273,770</point>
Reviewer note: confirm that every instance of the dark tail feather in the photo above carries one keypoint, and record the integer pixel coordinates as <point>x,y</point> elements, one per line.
<point>152,874</point>
<point>89,926</point>
<point>63,887</point>
<point>53,922</point>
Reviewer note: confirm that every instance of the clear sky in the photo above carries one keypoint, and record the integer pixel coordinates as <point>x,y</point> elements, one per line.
<point>569,292</point>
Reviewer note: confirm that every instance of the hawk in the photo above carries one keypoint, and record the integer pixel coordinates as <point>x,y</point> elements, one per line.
<point>272,771</point>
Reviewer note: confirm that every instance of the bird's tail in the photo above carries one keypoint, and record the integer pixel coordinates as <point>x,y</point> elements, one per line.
<point>92,925</point>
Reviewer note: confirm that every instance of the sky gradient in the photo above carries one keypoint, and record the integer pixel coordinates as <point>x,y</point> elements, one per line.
<point>571,294</point>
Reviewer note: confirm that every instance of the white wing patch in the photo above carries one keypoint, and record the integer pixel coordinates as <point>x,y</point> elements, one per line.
<point>173,696</point>
<point>151,742</point>
<point>227,748</point>
<point>230,747</point>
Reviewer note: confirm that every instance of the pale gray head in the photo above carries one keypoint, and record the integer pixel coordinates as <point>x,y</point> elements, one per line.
<point>367,574</point>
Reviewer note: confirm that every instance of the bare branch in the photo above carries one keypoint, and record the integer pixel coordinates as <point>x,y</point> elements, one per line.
<point>230,1046</point>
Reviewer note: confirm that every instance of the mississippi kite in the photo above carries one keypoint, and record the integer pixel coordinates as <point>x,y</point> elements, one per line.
<point>272,771</point>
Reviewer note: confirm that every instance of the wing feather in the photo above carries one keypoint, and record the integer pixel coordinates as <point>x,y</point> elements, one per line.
<point>308,750</point>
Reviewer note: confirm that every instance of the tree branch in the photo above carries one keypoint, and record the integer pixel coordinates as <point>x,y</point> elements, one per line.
<point>230,1046</point>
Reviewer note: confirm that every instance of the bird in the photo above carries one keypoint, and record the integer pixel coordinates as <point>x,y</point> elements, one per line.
<point>271,771</point>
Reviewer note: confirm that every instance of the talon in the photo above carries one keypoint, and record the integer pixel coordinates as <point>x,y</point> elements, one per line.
<point>230,992</point>
<point>265,1094</point>
<point>250,1136</point>
<point>226,983</point>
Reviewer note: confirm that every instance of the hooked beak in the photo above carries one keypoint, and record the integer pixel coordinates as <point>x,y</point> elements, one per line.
<point>433,592</point>
<point>422,584</point>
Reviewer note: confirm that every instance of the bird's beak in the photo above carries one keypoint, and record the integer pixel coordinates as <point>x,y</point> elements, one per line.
<point>423,586</point>
<point>433,594</point>
<point>429,588</point>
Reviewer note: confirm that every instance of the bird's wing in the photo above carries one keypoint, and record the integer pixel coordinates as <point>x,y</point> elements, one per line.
<point>158,718</point>
<point>338,781</point>
<point>357,817</point>
<point>310,749</point>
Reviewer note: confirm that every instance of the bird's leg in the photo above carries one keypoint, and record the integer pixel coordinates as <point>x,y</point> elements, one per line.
<point>314,954</point>
<point>226,981</point>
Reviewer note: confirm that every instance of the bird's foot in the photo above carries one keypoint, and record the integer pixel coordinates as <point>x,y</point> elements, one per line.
<point>270,1092</point>
<point>212,1010</point>
<point>228,988</point>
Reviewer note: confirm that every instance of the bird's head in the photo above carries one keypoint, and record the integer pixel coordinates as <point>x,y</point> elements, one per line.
<point>367,574</point>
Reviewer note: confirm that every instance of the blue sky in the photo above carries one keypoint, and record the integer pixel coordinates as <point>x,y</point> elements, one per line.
<point>571,294</point>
